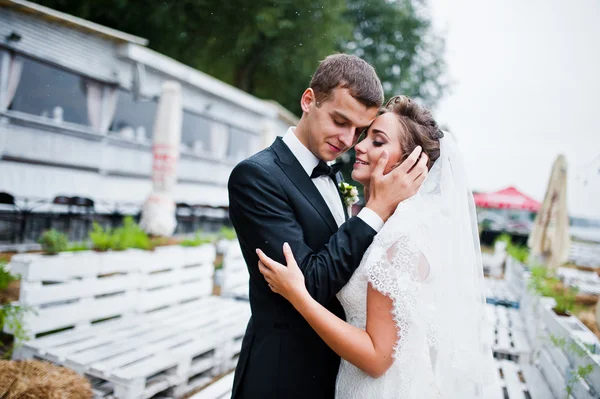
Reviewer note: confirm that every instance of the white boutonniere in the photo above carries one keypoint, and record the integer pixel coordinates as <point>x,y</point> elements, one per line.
<point>349,194</point>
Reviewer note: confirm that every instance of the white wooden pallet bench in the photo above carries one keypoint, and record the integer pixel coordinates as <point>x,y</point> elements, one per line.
<point>522,381</point>
<point>505,332</point>
<point>493,263</point>
<point>585,254</point>
<point>580,348</point>
<point>139,323</point>
<point>235,273</point>
<point>498,292</point>
<point>586,282</point>
<point>221,389</point>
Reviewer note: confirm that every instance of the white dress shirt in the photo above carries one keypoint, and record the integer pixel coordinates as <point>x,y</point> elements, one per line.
<point>326,186</point>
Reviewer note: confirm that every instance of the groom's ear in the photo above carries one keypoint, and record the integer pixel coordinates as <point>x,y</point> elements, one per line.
<point>308,99</point>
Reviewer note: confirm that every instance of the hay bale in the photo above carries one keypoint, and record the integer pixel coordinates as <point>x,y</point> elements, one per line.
<point>33,379</point>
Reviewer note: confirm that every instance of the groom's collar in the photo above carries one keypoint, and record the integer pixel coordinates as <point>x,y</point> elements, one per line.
<point>307,159</point>
<point>298,175</point>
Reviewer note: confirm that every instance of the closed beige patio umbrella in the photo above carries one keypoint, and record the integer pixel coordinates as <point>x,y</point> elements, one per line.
<point>549,238</point>
<point>158,214</point>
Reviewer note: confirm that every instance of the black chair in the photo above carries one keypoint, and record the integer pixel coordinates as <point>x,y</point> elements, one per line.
<point>82,216</point>
<point>60,215</point>
<point>184,214</point>
<point>11,218</point>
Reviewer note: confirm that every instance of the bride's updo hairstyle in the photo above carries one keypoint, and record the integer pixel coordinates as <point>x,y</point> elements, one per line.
<point>417,121</point>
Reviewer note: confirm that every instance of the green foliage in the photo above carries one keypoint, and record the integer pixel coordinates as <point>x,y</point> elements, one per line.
<point>504,237</point>
<point>262,46</point>
<point>11,315</point>
<point>580,372</point>
<point>564,297</point>
<point>199,239</point>
<point>101,238</point>
<point>227,233</point>
<point>129,235</point>
<point>395,37</point>
<point>78,247</point>
<point>53,242</point>
<point>548,286</point>
<point>6,277</point>
<point>518,252</point>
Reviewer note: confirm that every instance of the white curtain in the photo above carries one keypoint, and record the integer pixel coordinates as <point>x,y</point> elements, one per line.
<point>109,107</point>
<point>219,137</point>
<point>8,88</point>
<point>94,91</point>
<point>101,104</point>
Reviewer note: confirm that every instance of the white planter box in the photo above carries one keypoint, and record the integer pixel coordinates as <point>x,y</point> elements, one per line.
<point>566,360</point>
<point>61,267</point>
<point>205,253</point>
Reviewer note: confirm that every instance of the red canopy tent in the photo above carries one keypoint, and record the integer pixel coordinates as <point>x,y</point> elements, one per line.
<point>509,198</point>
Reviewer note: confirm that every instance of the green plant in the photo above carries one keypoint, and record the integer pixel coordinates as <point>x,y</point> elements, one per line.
<point>101,238</point>
<point>580,372</point>
<point>11,315</point>
<point>564,297</point>
<point>199,239</point>
<point>227,233</point>
<point>53,242</point>
<point>6,277</point>
<point>548,286</point>
<point>130,235</point>
<point>504,237</point>
<point>518,252</point>
<point>537,274</point>
<point>78,247</point>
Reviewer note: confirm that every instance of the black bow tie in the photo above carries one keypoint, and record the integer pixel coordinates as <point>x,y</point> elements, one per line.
<point>323,169</point>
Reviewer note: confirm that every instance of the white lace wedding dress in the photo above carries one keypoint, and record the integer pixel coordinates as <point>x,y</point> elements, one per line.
<point>427,259</point>
<point>413,354</point>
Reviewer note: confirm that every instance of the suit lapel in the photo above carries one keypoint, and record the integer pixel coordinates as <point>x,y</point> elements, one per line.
<point>294,171</point>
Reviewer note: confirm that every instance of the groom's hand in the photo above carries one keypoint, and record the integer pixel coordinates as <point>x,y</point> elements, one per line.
<point>387,191</point>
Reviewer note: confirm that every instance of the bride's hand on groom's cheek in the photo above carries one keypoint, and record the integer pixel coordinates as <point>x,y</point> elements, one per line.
<point>286,281</point>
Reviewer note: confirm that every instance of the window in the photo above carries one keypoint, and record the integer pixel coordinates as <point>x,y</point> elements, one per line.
<point>133,119</point>
<point>242,144</point>
<point>49,91</point>
<point>196,133</point>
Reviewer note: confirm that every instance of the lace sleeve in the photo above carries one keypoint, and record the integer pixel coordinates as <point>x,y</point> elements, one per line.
<point>397,270</point>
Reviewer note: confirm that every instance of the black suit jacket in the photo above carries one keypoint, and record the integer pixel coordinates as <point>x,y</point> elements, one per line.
<point>271,201</point>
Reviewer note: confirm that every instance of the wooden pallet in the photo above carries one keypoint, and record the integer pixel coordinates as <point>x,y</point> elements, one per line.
<point>221,389</point>
<point>558,361</point>
<point>498,292</point>
<point>505,333</point>
<point>235,273</point>
<point>522,381</point>
<point>585,254</point>
<point>586,282</point>
<point>141,323</point>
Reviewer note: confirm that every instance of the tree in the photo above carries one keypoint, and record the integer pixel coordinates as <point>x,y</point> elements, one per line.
<point>271,48</point>
<point>395,37</point>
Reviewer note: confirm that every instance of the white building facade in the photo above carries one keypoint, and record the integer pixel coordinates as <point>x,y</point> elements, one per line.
<point>77,107</point>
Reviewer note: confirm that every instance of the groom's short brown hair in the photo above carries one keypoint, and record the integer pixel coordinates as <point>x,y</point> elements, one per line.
<point>349,72</point>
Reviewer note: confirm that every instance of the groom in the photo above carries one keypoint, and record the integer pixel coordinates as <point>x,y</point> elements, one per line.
<point>287,193</point>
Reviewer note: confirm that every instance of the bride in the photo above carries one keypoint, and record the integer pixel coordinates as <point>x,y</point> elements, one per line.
<point>414,306</point>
